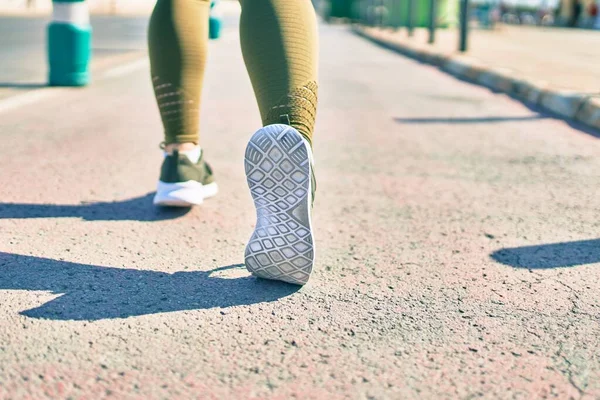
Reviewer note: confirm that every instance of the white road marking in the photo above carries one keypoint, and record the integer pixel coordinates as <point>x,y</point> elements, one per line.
<point>127,68</point>
<point>34,96</point>
<point>28,98</point>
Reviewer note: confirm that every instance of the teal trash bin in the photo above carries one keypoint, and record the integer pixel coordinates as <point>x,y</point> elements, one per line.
<point>215,21</point>
<point>69,44</point>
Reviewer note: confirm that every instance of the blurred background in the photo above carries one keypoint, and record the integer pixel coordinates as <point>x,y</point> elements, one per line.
<point>482,13</point>
<point>96,6</point>
<point>548,40</point>
<point>549,44</point>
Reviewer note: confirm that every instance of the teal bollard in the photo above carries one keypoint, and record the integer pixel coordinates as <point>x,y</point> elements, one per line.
<point>215,22</point>
<point>69,44</point>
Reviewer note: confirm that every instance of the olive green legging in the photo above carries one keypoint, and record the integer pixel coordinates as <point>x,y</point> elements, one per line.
<point>279,44</point>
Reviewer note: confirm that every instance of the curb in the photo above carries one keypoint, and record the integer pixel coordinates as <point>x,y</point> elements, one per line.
<point>583,108</point>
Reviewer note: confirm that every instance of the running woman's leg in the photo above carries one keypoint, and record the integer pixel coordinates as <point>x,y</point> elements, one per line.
<point>280,46</point>
<point>279,43</point>
<point>178,42</point>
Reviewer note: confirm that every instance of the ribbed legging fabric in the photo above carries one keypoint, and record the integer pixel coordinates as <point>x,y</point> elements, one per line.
<point>279,45</point>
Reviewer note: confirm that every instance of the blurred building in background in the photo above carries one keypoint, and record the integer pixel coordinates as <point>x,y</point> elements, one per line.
<point>96,6</point>
<point>579,13</point>
<point>393,13</point>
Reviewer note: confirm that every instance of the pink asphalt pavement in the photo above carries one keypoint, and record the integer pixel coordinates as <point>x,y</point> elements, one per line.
<point>457,231</point>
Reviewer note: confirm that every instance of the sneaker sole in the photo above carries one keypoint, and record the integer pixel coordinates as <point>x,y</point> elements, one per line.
<point>278,171</point>
<point>183,194</point>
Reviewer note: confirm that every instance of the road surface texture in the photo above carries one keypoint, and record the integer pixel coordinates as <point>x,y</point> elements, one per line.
<point>563,57</point>
<point>458,246</point>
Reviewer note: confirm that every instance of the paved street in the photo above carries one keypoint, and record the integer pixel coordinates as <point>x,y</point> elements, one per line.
<point>457,231</point>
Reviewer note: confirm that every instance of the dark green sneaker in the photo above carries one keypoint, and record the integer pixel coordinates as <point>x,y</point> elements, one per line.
<point>184,183</point>
<point>279,170</point>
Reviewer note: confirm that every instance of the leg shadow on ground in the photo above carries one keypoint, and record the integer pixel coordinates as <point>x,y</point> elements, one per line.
<point>136,209</point>
<point>554,255</point>
<point>89,292</point>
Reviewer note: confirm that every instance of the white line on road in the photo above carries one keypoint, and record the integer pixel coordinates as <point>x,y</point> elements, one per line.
<point>27,98</point>
<point>127,68</point>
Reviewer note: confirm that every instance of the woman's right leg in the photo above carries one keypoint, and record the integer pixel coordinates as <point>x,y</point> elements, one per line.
<point>279,43</point>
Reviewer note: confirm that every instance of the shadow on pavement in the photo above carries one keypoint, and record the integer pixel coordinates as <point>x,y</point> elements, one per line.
<point>473,120</point>
<point>136,209</point>
<point>585,129</point>
<point>572,123</point>
<point>543,113</point>
<point>555,255</point>
<point>15,85</point>
<point>89,292</point>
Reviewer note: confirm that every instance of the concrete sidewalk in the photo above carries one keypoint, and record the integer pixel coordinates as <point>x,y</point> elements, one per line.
<point>550,67</point>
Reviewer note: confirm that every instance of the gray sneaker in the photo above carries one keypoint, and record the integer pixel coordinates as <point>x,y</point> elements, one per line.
<point>183,183</point>
<point>279,170</point>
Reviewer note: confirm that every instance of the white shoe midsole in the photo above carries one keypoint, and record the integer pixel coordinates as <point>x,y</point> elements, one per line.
<point>184,193</point>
